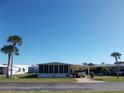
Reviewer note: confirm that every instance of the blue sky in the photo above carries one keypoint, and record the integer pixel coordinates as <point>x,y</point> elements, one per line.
<point>72,31</point>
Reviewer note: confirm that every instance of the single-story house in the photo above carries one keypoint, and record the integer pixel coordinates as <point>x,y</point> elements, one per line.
<point>17,69</point>
<point>33,69</point>
<point>105,69</point>
<point>54,69</point>
<point>113,68</point>
<point>3,69</point>
<point>20,69</point>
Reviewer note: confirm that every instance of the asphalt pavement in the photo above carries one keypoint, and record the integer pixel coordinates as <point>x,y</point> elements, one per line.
<point>119,86</point>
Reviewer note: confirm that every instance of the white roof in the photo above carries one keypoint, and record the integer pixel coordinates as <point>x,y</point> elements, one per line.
<point>54,63</point>
<point>16,65</point>
<point>3,65</point>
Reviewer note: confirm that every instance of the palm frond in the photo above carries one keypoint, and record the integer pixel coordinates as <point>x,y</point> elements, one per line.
<point>15,39</point>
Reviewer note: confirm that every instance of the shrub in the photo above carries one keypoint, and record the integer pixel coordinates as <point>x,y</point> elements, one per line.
<point>106,71</point>
<point>92,75</point>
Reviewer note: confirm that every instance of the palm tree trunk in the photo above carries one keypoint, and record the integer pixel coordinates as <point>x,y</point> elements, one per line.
<point>117,68</point>
<point>8,66</point>
<point>12,65</point>
<point>12,57</point>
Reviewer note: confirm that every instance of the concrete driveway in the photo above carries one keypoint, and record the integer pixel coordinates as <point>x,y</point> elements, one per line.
<point>62,86</point>
<point>87,80</point>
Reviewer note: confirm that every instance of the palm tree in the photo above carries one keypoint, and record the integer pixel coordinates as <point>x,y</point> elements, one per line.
<point>117,56</point>
<point>9,49</point>
<point>14,40</point>
<point>84,63</point>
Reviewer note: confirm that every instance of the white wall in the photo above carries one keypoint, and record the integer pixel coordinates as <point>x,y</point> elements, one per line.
<point>20,69</point>
<point>17,69</point>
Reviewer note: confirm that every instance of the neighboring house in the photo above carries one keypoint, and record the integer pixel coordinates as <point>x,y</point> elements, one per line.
<point>33,69</point>
<point>54,69</point>
<point>3,69</point>
<point>17,69</point>
<point>110,68</point>
<point>20,69</point>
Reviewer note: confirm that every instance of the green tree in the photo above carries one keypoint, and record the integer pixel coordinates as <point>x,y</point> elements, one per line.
<point>105,70</point>
<point>91,64</point>
<point>117,56</point>
<point>84,63</point>
<point>14,40</point>
<point>9,49</point>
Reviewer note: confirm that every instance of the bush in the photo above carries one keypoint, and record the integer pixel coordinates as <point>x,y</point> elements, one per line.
<point>92,75</point>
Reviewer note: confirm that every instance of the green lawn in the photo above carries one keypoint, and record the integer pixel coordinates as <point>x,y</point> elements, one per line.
<point>33,78</point>
<point>57,92</point>
<point>109,78</point>
<point>40,80</point>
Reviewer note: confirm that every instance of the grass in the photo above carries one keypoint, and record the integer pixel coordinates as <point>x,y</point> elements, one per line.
<point>109,78</point>
<point>40,80</point>
<point>58,92</point>
<point>33,78</point>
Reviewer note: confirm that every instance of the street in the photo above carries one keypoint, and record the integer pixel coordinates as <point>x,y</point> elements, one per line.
<point>62,86</point>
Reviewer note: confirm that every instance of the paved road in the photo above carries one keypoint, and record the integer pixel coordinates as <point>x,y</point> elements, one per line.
<point>62,86</point>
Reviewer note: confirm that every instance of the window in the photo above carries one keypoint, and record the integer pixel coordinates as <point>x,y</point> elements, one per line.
<point>50,68</point>
<point>23,69</point>
<point>45,68</point>
<point>66,69</point>
<point>1,70</point>
<point>61,67</point>
<point>56,69</point>
<point>41,69</point>
<point>19,70</point>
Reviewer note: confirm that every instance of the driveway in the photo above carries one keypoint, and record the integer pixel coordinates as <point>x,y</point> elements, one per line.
<point>62,86</point>
<point>87,80</point>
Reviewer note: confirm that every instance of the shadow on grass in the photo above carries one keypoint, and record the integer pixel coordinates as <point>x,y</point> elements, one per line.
<point>98,79</point>
<point>30,76</point>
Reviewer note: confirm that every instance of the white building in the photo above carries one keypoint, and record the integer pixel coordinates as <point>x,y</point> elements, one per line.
<point>20,69</point>
<point>17,69</point>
